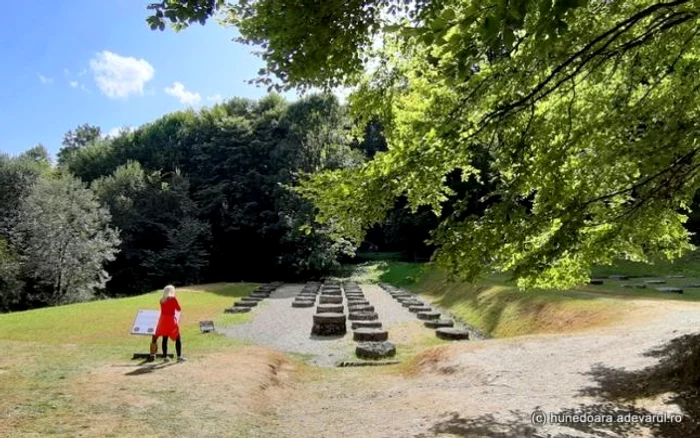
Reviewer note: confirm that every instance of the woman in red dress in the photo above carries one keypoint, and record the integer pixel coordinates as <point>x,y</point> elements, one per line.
<point>167,325</point>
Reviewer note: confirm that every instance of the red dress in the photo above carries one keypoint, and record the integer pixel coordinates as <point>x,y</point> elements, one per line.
<point>167,323</point>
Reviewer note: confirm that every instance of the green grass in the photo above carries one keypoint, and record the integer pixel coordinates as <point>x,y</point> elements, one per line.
<point>393,272</point>
<point>496,307</point>
<point>107,322</point>
<point>46,353</point>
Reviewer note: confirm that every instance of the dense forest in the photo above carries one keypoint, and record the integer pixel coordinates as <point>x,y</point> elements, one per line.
<point>195,196</point>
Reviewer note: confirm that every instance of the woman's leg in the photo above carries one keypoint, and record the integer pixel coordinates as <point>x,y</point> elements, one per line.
<point>178,346</point>
<point>165,346</point>
<point>154,347</point>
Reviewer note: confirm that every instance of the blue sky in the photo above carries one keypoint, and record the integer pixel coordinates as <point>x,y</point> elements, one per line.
<point>97,62</point>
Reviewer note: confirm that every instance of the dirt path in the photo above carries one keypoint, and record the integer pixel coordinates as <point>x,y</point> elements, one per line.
<point>490,388</point>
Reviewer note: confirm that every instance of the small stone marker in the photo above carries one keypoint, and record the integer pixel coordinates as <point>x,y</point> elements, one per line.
<point>330,299</point>
<point>363,316</point>
<point>252,299</point>
<point>692,285</point>
<point>245,304</point>
<point>635,286</point>
<point>370,335</point>
<point>329,308</point>
<point>439,323</point>
<point>237,310</point>
<point>675,290</point>
<point>361,308</point>
<point>259,295</point>
<point>366,324</point>
<point>412,303</point>
<point>420,308</point>
<point>428,315</point>
<point>329,324</point>
<point>206,326</point>
<point>452,334</point>
<point>675,276</point>
<point>331,292</point>
<point>655,281</point>
<point>619,277</point>
<point>375,350</point>
<point>595,281</point>
<point>303,303</point>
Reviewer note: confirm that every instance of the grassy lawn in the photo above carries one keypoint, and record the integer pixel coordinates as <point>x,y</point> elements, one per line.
<point>55,360</point>
<point>496,307</point>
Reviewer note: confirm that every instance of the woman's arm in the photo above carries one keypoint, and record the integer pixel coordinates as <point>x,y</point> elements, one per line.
<point>177,305</point>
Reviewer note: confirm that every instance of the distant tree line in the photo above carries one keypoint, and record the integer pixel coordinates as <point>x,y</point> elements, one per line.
<point>195,196</point>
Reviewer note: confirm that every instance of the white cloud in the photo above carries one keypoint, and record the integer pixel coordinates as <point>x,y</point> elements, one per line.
<point>82,72</point>
<point>44,79</point>
<point>186,97</point>
<point>120,76</point>
<point>116,131</point>
<point>74,84</point>
<point>216,98</point>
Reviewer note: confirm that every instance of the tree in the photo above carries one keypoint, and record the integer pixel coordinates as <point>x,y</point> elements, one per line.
<point>17,176</point>
<point>63,240</point>
<point>588,111</point>
<point>83,135</point>
<point>162,241</point>
<point>11,285</point>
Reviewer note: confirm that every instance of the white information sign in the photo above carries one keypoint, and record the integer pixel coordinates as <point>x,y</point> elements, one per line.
<point>146,322</point>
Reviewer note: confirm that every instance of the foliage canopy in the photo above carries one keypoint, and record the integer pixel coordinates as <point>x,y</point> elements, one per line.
<point>587,110</point>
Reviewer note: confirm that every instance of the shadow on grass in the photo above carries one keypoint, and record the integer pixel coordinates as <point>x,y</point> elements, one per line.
<point>676,375</point>
<point>483,426</point>
<point>149,368</point>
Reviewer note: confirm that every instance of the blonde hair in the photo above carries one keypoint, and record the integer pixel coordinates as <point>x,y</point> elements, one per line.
<point>168,292</point>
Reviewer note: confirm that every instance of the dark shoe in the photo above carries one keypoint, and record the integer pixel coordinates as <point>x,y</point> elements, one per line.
<point>181,359</point>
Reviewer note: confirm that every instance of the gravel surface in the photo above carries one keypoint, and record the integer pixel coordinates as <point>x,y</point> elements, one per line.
<point>278,325</point>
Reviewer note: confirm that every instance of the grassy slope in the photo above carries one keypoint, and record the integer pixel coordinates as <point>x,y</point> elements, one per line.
<point>46,350</point>
<point>496,307</point>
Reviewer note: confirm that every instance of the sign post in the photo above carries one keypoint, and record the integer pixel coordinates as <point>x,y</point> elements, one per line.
<point>145,324</point>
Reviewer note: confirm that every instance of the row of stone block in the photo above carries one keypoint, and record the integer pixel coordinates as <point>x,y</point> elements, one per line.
<point>245,304</point>
<point>431,318</point>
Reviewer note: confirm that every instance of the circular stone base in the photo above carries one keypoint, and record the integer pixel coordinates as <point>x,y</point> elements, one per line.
<point>259,295</point>
<point>370,335</point>
<point>439,323</point>
<point>245,304</point>
<point>361,308</point>
<point>375,350</point>
<point>428,315</point>
<point>237,310</point>
<point>329,324</point>
<point>329,308</point>
<point>421,308</point>
<point>363,316</point>
<point>303,303</point>
<point>452,334</point>
<point>307,295</point>
<point>366,324</point>
<point>330,299</point>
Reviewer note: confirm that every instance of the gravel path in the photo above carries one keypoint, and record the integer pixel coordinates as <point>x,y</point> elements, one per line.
<point>491,388</point>
<point>276,324</point>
